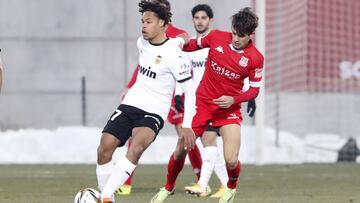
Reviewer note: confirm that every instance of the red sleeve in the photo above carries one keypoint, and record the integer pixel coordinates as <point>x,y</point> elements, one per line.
<point>173,31</point>
<point>255,76</point>
<point>248,95</point>
<point>191,46</point>
<point>133,77</point>
<point>256,71</point>
<point>199,43</point>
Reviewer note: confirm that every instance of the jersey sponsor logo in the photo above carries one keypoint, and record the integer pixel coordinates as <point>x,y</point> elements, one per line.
<point>232,116</point>
<point>158,59</point>
<point>223,71</point>
<point>258,73</point>
<point>147,72</point>
<point>243,61</point>
<point>198,64</point>
<point>219,49</point>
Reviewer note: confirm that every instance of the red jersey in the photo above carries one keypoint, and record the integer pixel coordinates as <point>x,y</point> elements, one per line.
<point>226,68</point>
<point>171,32</point>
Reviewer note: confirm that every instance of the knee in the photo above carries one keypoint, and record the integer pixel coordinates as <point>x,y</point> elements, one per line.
<point>232,160</point>
<point>180,153</point>
<point>103,155</point>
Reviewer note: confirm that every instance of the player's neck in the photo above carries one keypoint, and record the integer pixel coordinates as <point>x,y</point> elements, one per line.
<point>159,39</point>
<point>198,34</point>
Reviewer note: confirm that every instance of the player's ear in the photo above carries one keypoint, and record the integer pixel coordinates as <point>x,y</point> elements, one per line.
<point>162,23</point>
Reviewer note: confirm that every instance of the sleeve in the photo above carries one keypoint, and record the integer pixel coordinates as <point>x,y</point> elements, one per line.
<point>178,89</point>
<point>180,66</point>
<point>255,77</point>
<point>256,72</point>
<point>133,77</point>
<point>189,103</point>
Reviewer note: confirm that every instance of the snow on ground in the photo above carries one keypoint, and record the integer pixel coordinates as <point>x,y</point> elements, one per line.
<point>78,145</point>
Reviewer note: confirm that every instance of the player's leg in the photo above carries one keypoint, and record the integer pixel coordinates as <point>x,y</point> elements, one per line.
<point>142,138</point>
<point>194,155</point>
<point>231,138</point>
<point>175,165</point>
<point>115,133</point>
<point>126,188</point>
<point>221,173</point>
<point>105,165</point>
<point>201,188</point>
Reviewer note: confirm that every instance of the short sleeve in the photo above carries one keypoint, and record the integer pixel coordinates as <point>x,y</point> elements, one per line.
<point>180,66</point>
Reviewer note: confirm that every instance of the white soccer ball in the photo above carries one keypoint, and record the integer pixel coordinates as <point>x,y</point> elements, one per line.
<point>87,195</point>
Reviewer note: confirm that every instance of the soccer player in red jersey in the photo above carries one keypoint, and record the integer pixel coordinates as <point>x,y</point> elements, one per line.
<point>175,115</point>
<point>232,58</point>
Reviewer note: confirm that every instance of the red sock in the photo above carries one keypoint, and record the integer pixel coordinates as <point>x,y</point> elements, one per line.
<point>129,180</point>
<point>174,168</point>
<point>195,160</point>
<point>233,176</point>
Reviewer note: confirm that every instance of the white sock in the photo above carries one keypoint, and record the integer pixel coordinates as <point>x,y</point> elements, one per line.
<point>103,173</point>
<point>220,168</point>
<point>207,167</point>
<point>121,172</point>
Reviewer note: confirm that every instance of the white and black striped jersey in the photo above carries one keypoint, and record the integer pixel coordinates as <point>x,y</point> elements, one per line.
<point>160,66</point>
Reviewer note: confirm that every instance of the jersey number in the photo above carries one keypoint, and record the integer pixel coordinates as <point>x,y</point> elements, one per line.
<point>117,113</point>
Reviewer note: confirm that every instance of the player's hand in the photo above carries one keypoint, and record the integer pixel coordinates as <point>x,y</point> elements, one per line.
<point>189,138</point>
<point>179,103</point>
<point>251,107</point>
<point>123,93</point>
<point>184,37</point>
<point>224,101</point>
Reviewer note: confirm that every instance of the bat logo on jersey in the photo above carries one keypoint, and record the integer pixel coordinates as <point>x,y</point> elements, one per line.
<point>243,61</point>
<point>147,72</point>
<point>158,59</point>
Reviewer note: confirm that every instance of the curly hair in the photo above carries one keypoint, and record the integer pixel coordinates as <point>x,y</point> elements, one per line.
<point>245,22</point>
<point>163,12</point>
<point>203,7</point>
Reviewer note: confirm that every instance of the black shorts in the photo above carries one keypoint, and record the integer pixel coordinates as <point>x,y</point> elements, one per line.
<point>126,117</point>
<point>213,129</point>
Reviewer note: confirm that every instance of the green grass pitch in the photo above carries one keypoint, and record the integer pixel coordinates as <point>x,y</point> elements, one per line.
<point>318,183</point>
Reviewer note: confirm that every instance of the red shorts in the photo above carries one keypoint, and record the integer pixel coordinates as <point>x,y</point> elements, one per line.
<point>175,117</point>
<point>209,113</point>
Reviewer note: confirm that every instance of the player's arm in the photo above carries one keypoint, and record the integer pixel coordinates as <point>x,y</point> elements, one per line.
<point>181,70</point>
<point>130,83</point>
<point>179,101</point>
<point>199,43</point>
<point>255,77</point>
<point>251,104</point>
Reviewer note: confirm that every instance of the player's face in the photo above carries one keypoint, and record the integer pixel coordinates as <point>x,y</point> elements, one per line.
<point>201,22</point>
<point>152,25</point>
<point>239,41</point>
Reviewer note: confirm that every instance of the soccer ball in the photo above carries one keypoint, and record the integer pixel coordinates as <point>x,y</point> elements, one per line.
<point>87,195</point>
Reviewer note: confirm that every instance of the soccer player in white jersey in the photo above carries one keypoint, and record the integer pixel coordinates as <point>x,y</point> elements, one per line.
<point>144,108</point>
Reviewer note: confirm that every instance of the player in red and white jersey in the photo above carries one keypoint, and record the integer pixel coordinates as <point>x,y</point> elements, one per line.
<point>175,115</point>
<point>232,58</point>
<point>142,113</point>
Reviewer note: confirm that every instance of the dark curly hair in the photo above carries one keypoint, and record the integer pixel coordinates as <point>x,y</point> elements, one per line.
<point>202,7</point>
<point>158,8</point>
<point>244,22</point>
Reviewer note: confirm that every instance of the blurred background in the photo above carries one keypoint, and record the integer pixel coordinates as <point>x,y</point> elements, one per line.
<point>66,62</point>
